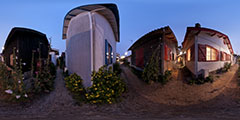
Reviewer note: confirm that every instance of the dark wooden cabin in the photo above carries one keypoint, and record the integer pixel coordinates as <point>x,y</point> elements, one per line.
<point>26,42</point>
<point>162,39</point>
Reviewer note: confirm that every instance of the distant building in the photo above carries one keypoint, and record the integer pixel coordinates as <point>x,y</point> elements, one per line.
<point>54,55</point>
<point>26,42</point>
<point>162,39</point>
<point>91,34</point>
<point>206,50</point>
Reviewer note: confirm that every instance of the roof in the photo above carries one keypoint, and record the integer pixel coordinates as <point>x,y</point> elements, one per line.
<point>109,11</point>
<point>16,30</point>
<point>213,32</point>
<point>155,33</point>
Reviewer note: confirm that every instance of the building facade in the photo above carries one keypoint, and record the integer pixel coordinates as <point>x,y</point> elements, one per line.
<point>206,50</point>
<point>91,34</point>
<point>162,39</point>
<point>26,43</point>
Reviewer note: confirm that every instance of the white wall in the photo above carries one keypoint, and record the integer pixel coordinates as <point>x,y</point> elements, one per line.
<point>78,47</point>
<point>85,45</point>
<point>190,64</point>
<point>53,58</point>
<point>103,31</point>
<point>218,44</point>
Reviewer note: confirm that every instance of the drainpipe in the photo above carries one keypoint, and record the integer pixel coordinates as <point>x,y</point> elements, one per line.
<point>92,40</point>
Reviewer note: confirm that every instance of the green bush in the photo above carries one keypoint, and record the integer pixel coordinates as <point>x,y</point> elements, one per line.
<point>200,80</point>
<point>74,84</point>
<point>226,67</point>
<point>4,76</point>
<point>53,69</point>
<point>166,77</point>
<point>12,80</point>
<point>152,71</point>
<point>116,68</point>
<point>107,87</point>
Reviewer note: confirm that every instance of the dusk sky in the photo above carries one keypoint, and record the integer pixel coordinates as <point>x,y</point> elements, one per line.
<point>137,17</point>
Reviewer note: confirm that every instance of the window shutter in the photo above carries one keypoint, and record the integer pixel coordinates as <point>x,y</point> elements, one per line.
<point>201,52</point>
<point>192,52</point>
<point>166,52</point>
<point>217,55</point>
<point>221,54</point>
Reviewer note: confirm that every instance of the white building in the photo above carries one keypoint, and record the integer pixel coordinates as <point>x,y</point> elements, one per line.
<point>91,34</point>
<point>54,55</point>
<point>206,50</point>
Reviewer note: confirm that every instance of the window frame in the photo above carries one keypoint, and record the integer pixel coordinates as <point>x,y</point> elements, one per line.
<point>211,52</point>
<point>108,53</point>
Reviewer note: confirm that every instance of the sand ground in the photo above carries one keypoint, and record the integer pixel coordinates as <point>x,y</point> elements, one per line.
<point>175,100</point>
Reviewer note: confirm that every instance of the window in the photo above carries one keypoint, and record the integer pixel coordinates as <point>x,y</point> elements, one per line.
<point>188,54</point>
<point>108,53</point>
<point>211,54</point>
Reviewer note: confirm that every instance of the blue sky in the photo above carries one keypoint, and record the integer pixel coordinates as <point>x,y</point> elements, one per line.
<point>137,17</point>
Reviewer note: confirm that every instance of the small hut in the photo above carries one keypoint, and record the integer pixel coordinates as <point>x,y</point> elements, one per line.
<point>27,44</point>
<point>163,40</point>
<point>91,33</point>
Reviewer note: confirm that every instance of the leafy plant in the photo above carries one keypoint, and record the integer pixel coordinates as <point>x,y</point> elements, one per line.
<point>5,75</point>
<point>107,87</point>
<point>200,80</point>
<point>166,77</point>
<point>44,79</point>
<point>116,68</point>
<point>152,71</point>
<point>74,84</point>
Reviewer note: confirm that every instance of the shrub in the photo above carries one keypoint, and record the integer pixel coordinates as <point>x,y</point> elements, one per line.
<point>74,84</point>
<point>53,69</point>
<point>226,67</point>
<point>152,71</point>
<point>125,62</point>
<point>200,80</point>
<point>44,79</point>
<point>4,76</point>
<point>12,80</point>
<point>116,68</point>
<point>166,77</point>
<point>107,87</point>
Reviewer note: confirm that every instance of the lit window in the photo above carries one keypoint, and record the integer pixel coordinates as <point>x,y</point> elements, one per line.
<point>211,54</point>
<point>108,53</point>
<point>189,54</point>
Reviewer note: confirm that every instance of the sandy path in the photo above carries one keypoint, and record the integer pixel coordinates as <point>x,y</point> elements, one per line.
<point>140,102</point>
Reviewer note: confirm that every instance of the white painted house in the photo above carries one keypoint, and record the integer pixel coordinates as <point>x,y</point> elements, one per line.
<point>91,34</point>
<point>54,53</point>
<point>206,50</point>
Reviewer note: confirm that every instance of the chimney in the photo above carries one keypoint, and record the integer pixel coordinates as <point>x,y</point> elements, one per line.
<point>197,25</point>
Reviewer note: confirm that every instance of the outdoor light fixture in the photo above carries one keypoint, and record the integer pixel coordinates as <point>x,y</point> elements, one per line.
<point>126,53</point>
<point>122,57</point>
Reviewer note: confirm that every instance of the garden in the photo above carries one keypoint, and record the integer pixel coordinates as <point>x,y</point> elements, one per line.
<point>19,87</point>
<point>107,86</point>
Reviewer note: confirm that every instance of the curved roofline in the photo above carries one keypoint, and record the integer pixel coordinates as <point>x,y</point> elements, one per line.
<point>96,8</point>
<point>152,32</point>
<point>21,29</point>
<point>189,29</point>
